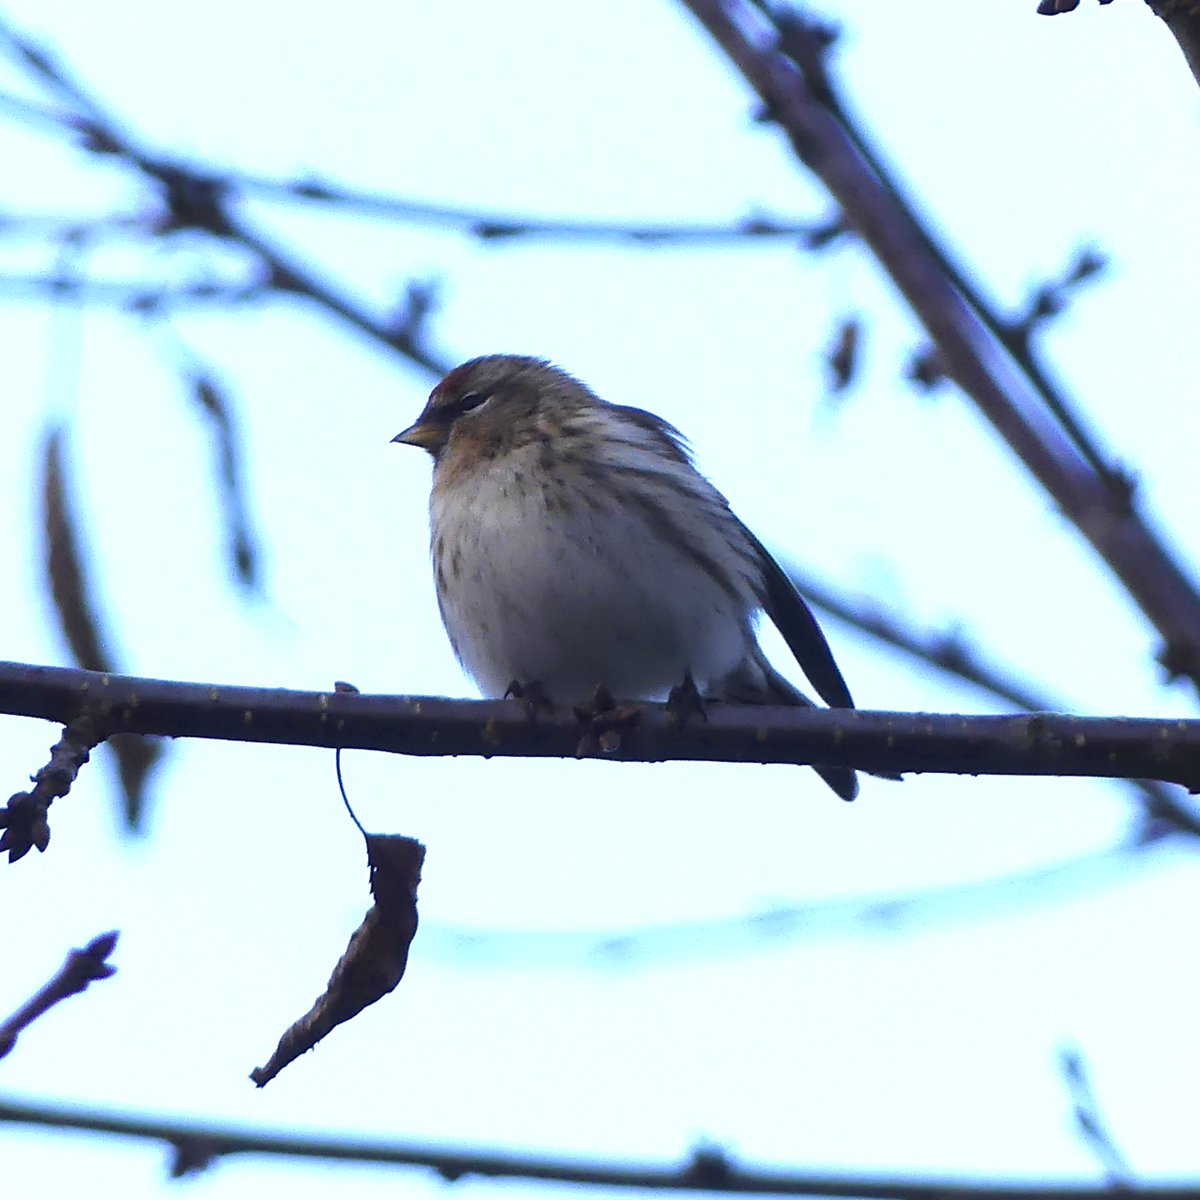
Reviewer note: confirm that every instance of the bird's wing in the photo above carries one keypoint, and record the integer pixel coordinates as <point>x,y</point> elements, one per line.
<point>780,599</point>
<point>794,619</point>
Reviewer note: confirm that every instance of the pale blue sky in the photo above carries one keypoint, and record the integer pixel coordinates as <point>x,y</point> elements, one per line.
<point>922,1049</point>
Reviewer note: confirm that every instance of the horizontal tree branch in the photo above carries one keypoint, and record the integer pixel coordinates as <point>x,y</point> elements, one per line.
<point>1026,744</point>
<point>708,1170</point>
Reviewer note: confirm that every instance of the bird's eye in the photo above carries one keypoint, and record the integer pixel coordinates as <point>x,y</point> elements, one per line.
<point>465,403</point>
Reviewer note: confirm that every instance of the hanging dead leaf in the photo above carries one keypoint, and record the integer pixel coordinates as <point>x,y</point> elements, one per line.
<point>375,959</point>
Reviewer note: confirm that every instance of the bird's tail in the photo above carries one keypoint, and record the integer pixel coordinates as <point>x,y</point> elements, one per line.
<point>755,681</point>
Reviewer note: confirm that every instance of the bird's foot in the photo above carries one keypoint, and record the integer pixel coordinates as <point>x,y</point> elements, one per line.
<point>532,695</point>
<point>603,720</point>
<point>685,702</point>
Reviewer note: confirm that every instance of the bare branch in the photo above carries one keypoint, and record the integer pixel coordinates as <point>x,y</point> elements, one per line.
<point>60,228</point>
<point>1031,744</point>
<point>808,42</point>
<point>972,350</point>
<point>216,404</point>
<point>80,968</point>
<point>493,226</point>
<point>144,296</point>
<point>707,1170</point>
<point>74,604</point>
<point>23,819</point>
<point>1089,1123</point>
<point>78,618</point>
<point>197,202</point>
<point>1183,20</point>
<point>32,113</point>
<point>872,915</point>
<point>953,654</point>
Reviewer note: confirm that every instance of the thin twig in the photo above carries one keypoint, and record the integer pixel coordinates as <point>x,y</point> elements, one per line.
<point>144,296</point>
<point>494,226</point>
<point>24,819</point>
<point>1090,1124</point>
<point>80,968</point>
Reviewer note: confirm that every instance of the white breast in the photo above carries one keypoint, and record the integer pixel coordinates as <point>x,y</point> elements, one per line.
<point>568,587</point>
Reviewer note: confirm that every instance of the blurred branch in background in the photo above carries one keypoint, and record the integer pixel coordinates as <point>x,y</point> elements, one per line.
<point>879,915</point>
<point>215,403</point>
<point>784,56</point>
<point>492,226</point>
<point>80,623</point>
<point>137,296</point>
<point>196,1147</point>
<point>1089,1123</point>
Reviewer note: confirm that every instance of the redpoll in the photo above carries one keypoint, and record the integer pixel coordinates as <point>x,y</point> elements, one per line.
<point>575,544</point>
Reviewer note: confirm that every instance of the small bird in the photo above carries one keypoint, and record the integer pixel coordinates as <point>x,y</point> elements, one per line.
<point>575,544</point>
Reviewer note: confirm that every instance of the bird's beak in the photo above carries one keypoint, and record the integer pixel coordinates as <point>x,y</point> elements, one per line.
<point>427,436</point>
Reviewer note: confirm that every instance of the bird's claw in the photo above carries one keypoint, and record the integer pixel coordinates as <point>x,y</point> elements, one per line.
<point>532,695</point>
<point>603,720</point>
<point>685,702</point>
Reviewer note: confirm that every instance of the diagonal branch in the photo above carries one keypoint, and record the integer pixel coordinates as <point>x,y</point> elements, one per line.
<point>970,353</point>
<point>1182,18</point>
<point>80,968</point>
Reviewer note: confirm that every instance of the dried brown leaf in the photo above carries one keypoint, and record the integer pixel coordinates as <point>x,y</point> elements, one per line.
<point>376,957</point>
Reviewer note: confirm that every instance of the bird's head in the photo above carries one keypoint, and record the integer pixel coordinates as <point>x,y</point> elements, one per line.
<point>490,404</point>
